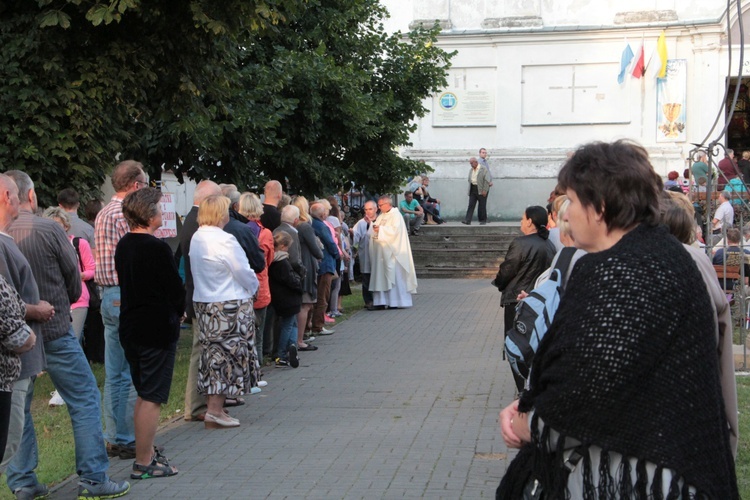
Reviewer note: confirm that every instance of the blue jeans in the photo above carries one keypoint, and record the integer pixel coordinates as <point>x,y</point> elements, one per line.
<point>287,335</point>
<point>119,393</point>
<point>70,373</point>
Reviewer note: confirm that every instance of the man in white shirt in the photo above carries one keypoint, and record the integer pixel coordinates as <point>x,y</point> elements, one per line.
<point>479,186</point>
<point>724,215</point>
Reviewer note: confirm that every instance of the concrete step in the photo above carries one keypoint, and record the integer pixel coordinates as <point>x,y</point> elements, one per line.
<point>498,242</point>
<point>440,257</point>
<point>453,229</point>
<point>456,250</point>
<point>487,273</point>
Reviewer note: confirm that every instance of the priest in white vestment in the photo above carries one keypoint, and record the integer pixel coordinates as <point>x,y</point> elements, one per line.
<point>393,278</point>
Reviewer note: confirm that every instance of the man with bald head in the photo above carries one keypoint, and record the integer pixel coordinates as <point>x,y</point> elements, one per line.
<point>271,218</point>
<point>363,231</point>
<point>17,271</point>
<point>195,403</point>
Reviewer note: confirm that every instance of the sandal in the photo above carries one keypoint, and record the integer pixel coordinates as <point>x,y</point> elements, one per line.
<point>308,347</point>
<point>159,467</point>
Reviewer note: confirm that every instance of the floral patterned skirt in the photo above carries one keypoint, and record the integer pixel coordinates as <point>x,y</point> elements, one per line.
<point>228,363</point>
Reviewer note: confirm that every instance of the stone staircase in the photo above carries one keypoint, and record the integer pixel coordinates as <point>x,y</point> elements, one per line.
<point>454,250</point>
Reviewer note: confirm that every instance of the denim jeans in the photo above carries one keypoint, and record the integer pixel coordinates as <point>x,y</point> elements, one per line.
<point>288,325</point>
<point>17,419</point>
<point>71,375</point>
<point>119,393</point>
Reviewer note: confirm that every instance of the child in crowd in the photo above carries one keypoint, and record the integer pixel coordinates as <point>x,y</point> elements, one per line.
<point>286,298</point>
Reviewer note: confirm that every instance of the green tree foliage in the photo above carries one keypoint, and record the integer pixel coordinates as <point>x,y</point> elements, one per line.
<point>357,91</point>
<point>311,91</point>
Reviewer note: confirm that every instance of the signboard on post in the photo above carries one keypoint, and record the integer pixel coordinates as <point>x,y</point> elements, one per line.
<point>168,227</point>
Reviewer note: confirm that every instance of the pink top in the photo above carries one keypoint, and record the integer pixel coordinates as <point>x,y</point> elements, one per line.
<point>89,266</point>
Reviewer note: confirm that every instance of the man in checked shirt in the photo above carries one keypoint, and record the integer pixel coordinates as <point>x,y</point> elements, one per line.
<point>119,393</point>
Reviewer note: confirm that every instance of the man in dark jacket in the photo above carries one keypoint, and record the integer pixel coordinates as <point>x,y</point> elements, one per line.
<point>326,270</point>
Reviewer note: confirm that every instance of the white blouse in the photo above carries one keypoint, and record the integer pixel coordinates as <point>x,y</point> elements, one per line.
<point>220,268</point>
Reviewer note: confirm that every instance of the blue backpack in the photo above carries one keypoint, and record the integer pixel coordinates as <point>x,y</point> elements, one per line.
<point>534,314</point>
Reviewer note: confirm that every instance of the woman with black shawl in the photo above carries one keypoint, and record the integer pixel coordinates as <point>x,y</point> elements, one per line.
<point>624,396</point>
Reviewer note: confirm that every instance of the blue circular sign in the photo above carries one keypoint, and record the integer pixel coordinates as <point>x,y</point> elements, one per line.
<point>448,100</point>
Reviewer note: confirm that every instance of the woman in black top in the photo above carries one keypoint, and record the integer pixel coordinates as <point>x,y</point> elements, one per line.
<point>528,256</point>
<point>153,302</point>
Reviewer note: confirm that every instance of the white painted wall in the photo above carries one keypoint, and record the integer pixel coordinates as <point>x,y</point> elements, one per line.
<point>580,34</point>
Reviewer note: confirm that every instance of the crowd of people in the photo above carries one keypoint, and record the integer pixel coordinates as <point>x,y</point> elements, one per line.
<point>634,370</point>
<point>255,278</point>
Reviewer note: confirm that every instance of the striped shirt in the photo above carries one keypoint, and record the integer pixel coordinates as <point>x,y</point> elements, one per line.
<point>55,266</point>
<point>109,227</point>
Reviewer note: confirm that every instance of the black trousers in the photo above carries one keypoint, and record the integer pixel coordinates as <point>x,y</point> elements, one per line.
<point>366,293</point>
<point>475,197</point>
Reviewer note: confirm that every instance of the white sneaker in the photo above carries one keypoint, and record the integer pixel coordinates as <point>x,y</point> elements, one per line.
<point>326,331</point>
<point>56,399</point>
<point>262,383</point>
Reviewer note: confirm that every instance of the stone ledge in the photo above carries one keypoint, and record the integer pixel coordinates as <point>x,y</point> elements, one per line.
<point>445,24</point>
<point>512,22</point>
<point>645,16</point>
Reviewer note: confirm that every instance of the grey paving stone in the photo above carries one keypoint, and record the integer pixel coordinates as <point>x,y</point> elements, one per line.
<point>396,404</point>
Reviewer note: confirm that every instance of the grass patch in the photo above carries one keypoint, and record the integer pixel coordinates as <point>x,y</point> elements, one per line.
<point>743,452</point>
<point>53,429</point>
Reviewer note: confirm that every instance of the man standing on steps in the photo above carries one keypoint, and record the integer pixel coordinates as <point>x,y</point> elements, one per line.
<point>483,162</point>
<point>479,186</point>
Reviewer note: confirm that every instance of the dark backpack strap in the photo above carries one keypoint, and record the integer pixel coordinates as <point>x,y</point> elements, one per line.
<point>76,244</point>
<point>563,263</point>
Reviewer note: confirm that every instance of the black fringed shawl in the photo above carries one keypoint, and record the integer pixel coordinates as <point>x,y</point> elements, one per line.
<point>629,364</point>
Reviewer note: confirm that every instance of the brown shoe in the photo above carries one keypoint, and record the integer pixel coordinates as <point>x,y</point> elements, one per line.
<point>113,450</point>
<point>127,452</point>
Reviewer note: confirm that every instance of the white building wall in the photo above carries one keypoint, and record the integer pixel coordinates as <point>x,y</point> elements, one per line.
<point>521,51</point>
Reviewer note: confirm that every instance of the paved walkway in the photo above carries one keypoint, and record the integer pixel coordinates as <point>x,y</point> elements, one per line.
<point>396,404</point>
